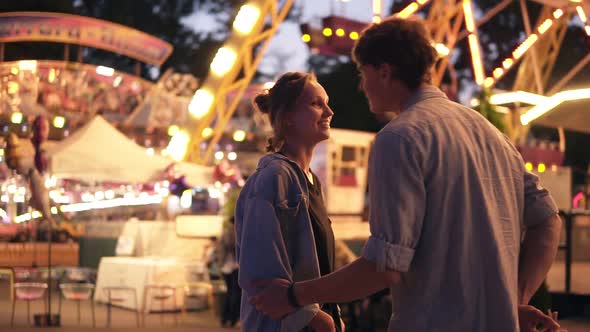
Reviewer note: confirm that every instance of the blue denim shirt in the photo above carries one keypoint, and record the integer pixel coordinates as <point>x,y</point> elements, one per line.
<point>274,238</point>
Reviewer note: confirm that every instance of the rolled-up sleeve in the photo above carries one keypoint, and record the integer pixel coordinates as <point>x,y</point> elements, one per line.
<point>262,254</point>
<point>397,202</point>
<point>538,203</point>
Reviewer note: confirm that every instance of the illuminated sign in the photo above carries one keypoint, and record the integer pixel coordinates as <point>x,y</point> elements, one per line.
<point>86,31</point>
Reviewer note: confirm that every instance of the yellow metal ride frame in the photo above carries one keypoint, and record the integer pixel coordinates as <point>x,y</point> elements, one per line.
<point>449,21</point>
<point>231,71</point>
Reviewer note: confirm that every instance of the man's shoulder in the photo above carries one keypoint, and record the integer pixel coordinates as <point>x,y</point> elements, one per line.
<point>424,120</point>
<point>390,141</point>
<point>402,129</point>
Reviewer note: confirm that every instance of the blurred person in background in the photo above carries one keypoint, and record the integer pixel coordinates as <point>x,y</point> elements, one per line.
<point>228,268</point>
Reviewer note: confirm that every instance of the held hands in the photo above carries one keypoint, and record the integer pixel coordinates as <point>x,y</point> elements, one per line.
<point>272,299</point>
<point>530,318</point>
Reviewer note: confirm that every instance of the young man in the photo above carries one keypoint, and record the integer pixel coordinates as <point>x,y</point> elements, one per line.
<point>449,196</point>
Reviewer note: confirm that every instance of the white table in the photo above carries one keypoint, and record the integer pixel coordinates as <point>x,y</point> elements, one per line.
<point>138,272</point>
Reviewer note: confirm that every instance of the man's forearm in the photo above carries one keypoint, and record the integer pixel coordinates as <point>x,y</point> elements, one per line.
<point>536,256</point>
<point>354,281</point>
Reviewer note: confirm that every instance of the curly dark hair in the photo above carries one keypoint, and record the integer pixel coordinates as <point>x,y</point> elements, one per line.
<point>402,43</point>
<point>279,100</point>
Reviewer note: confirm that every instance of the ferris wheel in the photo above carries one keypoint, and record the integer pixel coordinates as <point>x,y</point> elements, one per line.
<point>449,21</point>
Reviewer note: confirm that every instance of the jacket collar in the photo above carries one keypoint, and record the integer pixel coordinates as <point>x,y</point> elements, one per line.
<point>266,160</point>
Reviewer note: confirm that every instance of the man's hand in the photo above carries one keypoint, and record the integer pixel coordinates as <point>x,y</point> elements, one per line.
<point>529,318</point>
<point>322,322</point>
<point>272,299</point>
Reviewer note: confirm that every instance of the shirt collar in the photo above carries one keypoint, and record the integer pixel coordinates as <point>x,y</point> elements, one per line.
<point>423,93</point>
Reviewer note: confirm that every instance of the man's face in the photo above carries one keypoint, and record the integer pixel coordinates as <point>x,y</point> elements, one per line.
<point>376,85</point>
<point>381,90</point>
<point>369,85</point>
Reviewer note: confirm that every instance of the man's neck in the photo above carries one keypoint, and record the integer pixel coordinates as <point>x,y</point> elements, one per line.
<point>406,95</point>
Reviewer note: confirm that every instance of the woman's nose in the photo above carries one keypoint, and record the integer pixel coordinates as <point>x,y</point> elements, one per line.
<point>328,111</point>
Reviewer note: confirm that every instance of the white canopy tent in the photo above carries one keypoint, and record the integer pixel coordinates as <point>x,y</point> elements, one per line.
<point>99,152</point>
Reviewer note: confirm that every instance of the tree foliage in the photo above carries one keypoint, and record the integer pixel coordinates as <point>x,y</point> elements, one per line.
<point>350,106</point>
<point>489,111</point>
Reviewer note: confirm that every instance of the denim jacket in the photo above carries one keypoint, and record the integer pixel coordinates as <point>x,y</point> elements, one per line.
<point>274,239</point>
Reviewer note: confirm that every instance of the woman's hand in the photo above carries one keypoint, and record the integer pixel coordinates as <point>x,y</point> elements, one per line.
<point>342,325</point>
<point>322,322</point>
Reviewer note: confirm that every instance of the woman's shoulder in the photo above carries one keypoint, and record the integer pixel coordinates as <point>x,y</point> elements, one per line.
<point>273,175</point>
<point>274,167</point>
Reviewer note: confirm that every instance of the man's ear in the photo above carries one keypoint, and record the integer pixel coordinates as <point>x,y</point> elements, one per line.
<point>288,118</point>
<point>385,71</point>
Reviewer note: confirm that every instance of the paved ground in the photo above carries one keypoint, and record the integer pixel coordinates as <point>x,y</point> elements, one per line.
<point>125,321</point>
<point>122,319</point>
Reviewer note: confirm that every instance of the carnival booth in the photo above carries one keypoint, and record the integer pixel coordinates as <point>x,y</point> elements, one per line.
<point>148,252</point>
<point>152,253</point>
<point>98,152</point>
<point>341,164</point>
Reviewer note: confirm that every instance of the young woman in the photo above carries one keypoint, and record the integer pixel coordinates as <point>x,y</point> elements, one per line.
<point>282,227</point>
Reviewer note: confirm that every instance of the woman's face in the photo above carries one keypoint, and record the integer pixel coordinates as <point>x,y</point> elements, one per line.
<point>309,122</point>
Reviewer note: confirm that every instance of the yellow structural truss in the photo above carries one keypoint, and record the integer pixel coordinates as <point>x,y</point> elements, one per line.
<point>449,21</point>
<point>231,70</point>
<point>452,20</point>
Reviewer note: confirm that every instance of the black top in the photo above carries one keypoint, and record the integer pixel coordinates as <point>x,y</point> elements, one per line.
<point>322,228</point>
<point>324,238</point>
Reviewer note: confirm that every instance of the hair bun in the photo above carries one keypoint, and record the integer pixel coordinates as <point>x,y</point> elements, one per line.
<point>262,102</point>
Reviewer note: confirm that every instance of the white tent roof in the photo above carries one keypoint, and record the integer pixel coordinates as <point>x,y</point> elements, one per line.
<point>99,152</point>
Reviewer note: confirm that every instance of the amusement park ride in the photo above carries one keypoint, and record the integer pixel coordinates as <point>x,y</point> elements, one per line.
<point>200,121</point>
<point>198,114</point>
<point>208,112</point>
<point>449,21</point>
<point>532,99</point>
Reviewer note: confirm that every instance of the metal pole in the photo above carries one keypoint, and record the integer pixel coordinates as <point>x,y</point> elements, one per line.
<point>568,250</point>
<point>67,53</point>
<point>109,308</point>
<point>49,238</point>
<point>527,26</point>
<point>565,79</point>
